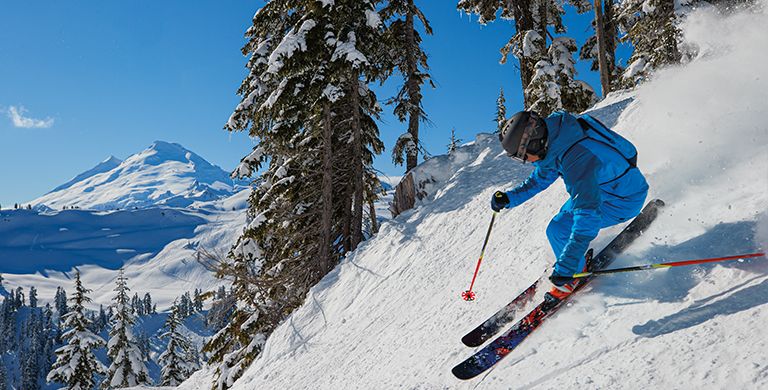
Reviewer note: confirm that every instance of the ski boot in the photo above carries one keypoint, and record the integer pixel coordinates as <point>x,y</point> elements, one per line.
<point>563,286</point>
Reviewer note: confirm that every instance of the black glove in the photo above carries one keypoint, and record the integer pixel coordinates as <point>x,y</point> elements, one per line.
<point>499,201</point>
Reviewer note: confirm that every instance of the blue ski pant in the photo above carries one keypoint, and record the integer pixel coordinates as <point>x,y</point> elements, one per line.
<point>560,228</point>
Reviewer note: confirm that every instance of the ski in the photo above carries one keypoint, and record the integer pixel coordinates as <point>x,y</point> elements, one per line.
<point>509,340</point>
<point>492,325</point>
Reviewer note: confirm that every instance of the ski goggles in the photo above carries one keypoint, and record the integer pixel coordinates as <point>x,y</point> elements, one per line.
<point>520,155</point>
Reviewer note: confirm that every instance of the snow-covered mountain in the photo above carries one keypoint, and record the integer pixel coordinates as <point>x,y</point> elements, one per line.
<point>149,214</point>
<point>390,315</point>
<point>163,174</point>
<point>105,166</point>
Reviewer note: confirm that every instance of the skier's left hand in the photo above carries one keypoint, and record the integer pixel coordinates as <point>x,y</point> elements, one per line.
<point>499,201</point>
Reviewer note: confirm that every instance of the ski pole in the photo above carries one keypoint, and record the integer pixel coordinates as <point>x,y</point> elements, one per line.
<point>667,265</point>
<point>469,295</point>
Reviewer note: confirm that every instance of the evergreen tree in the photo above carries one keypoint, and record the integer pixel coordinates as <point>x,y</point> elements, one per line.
<point>533,19</point>
<point>147,303</point>
<point>137,305</point>
<point>19,297</point>
<point>60,300</point>
<point>406,54</point>
<point>652,28</point>
<point>307,208</point>
<point>501,112</point>
<point>30,370</point>
<point>32,297</point>
<point>454,144</point>
<point>52,335</point>
<point>76,364</point>
<point>183,306</point>
<point>553,87</point>
<point>127,368</point>
<point>198,300</point>
<point>103,319</point>
<point>179,359</point>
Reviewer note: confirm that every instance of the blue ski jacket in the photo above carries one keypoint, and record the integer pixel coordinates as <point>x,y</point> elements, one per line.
<point>605,189</point>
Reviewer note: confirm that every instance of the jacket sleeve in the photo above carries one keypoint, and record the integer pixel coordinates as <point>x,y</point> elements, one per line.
<point>580,175</point>
<point>539,180</point>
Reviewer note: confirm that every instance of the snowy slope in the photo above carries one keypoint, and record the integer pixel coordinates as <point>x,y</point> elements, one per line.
<point>163,174</point>
<point>156,246</point>
<point>105,166</point>
<point>390,315</point>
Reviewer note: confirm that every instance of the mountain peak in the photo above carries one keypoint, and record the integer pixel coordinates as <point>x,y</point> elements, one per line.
<point>164,173</point>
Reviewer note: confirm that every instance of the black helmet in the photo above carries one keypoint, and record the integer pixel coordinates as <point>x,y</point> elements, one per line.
<point>525,132</point>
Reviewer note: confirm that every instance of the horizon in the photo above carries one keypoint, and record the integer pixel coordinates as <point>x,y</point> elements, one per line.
<point>119,76</point>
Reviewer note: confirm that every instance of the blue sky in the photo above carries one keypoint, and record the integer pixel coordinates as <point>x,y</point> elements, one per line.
<point>82,80</point>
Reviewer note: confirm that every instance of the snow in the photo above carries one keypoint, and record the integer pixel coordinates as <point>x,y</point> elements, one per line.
<point>373,20</point>
<point>348,51</point>
<point>333,93</point>
<point>291,42</point>
<point>390,315</point>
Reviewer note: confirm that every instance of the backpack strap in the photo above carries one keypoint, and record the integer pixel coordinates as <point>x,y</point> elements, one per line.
<point>585,126</point>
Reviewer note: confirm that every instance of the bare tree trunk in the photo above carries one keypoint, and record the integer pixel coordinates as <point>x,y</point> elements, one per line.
<point>605,79</point>
<point>327,192</point>
<point>357,167</point>
<point>414,91</point>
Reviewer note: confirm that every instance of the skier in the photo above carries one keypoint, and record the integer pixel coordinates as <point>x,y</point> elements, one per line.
<point>599,169</point>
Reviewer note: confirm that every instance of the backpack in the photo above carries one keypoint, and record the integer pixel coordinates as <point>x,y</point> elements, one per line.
<point>597,131</point>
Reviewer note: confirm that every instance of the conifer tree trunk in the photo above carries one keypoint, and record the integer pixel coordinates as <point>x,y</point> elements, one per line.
<point>524,22</point>
<point>605,71</point>
<point>346,233</point>
<point>374,221</point>
<point>414,91</point>
<point>357,168</point>
<point>327,191</point>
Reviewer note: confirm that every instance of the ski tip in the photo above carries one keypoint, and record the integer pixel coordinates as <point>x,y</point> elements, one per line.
<point>471,341</point>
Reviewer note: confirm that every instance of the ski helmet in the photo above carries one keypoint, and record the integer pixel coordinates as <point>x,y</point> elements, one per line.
<point>525,132</point>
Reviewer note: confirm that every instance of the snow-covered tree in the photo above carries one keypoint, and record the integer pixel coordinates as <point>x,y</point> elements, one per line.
<point>76,365</point>
<point>148,308</point>
<point>127,368</point>
<point>30,369</point>
<point>501,112</point>
<point>198,300</point>
<point>553,87</point>
<point>32,297</point>
<point>533,20</point>
<point>60,301</point>
<point>406,54</point>
<point>306,99</point>
<point>179,360</point>
<point>652,26</point>
<point>603,44</point>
